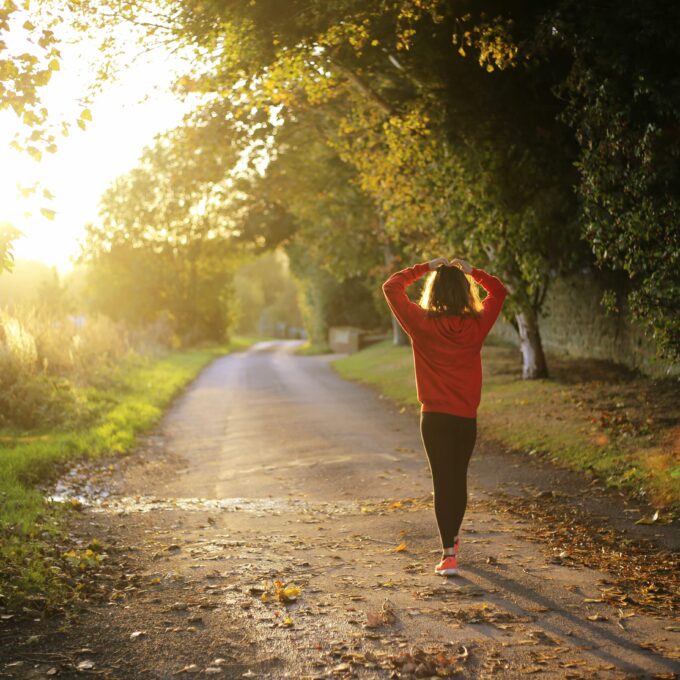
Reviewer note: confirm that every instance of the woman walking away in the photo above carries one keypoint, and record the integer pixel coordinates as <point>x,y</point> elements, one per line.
<point>447,330</point>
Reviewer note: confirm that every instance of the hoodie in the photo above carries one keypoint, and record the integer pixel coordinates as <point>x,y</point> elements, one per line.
<point>446,349</point>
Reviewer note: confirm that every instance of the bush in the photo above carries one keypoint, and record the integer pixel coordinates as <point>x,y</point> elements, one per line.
<point>39,401</point>
<point>44,359</point>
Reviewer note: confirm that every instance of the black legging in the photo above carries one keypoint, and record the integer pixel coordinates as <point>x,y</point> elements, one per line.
<point>448,441</point>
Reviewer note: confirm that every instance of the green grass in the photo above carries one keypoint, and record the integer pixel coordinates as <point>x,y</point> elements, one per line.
<point>560,418</point>
<point>311,349</point>
<point>130,399</point>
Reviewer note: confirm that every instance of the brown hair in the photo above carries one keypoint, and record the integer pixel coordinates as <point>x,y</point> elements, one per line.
<point>448,292</point>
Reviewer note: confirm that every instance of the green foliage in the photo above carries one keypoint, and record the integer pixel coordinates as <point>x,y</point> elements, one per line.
<point>265,295</point>
<point>326,301</point>
<point>48,358</point>
<point>162,245</point>
<point>624,106</point>
<point>37,401</point>
<point>426,127</point>
<point>372,137</point>
<point>27,61</point>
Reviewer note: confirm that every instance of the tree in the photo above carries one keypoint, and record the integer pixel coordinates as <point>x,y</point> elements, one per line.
<point>264,290</point>
<point>487,173</point>
<point>623,103</point>
<point>29,56</point>
<point>307,202</point>
<point>448,118</point>
<point>163,242</point>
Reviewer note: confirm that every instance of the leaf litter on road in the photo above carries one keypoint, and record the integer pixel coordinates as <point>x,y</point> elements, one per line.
<point>278,591</point>
<point>641,575</point>
<point>385,617</point>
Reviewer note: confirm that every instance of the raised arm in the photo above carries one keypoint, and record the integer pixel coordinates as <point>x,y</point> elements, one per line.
<point>408,314</point>
<point>493,302</point>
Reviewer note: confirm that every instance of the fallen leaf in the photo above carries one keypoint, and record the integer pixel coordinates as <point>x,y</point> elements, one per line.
<point>373,620</point>
<point>649,520</point>
<point>191,668</point>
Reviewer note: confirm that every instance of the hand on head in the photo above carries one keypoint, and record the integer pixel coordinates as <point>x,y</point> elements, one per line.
<point>455,262</point>
<point>438,262</point>
<point>463,264</point>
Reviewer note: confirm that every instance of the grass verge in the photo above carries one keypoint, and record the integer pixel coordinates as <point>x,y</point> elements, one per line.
<point>589,415</point>
<point>309,349</point>
<point>129,399</point>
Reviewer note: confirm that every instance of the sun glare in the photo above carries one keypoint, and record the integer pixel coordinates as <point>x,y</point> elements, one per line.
<point>125,118</point>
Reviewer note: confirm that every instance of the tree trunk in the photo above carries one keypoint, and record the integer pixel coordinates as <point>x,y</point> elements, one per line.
<point>399,338</point>
<point>533,359</point>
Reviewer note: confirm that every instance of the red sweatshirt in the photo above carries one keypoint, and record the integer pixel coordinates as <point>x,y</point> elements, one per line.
<point>446,349</point>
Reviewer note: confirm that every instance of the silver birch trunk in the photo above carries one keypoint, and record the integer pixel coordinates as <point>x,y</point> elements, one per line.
<point>534,364</point>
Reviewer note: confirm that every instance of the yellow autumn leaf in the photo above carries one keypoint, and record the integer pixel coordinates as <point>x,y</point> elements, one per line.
<point>85,114</point>
<point>289,593</point>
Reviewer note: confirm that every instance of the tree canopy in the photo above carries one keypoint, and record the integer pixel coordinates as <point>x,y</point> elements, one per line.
<point>535,139</point>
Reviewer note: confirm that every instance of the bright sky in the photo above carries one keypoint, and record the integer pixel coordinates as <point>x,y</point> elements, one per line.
<point>125,118</point>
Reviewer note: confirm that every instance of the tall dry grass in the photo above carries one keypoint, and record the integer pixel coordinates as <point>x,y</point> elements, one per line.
<point>45,357</point>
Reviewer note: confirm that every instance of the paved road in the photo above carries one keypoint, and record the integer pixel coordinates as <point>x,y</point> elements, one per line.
<point>270,467</point>
<point>268,422</point>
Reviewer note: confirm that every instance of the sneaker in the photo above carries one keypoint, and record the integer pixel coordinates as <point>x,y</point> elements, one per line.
<point>449,563</point>
<point>448,566</point>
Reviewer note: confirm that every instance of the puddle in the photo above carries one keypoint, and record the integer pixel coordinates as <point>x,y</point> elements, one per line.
<point>92,488</point>
<point>83,484</point>
<point>126,505</point>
